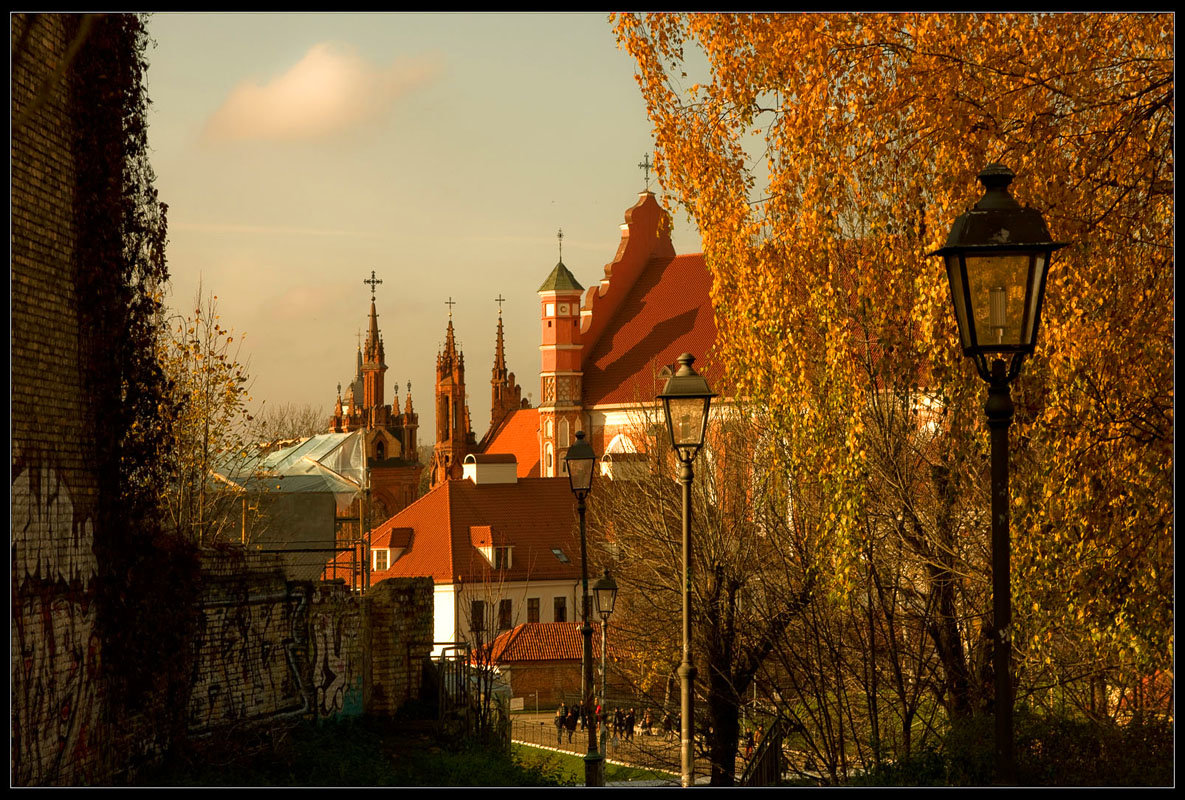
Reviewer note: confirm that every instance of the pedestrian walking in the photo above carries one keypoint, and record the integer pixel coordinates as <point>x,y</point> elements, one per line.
<point>630,721</point>
<point>667,725</point>
<point>571,723</point>
<point>561,713</point>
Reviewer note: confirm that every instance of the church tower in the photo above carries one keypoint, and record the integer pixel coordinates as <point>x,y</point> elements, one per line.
<point>561,376</point>
<point>454,436</point>
<point>374,371</point>
<point>505,395</point>
<point>390,438</point>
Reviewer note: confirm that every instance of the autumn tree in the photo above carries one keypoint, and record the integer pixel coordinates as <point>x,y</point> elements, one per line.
<point>753,574</point>
<point>210,392</point>
<point>791,139</point>
<point>288,421</point>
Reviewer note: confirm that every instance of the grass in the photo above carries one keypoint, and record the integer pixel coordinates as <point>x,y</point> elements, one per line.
<point>357,752</point>
<point>570,768</point>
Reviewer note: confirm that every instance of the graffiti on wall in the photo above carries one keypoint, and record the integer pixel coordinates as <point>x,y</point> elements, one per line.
<point>276,654</point>
<point>335,656</point>
<point>55,651</point>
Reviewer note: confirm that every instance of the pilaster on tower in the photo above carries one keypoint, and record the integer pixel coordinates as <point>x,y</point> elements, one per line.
<point>561,369</point>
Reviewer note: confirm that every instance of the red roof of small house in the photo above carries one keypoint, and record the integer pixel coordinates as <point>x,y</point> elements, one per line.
<point>442,531</point>
<point>667,312</point>
<point>518,435</point>
<point>542,641</point>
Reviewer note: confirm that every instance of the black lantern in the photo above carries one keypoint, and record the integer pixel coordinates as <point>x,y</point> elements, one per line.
<point>685,401</point>
<point>580,460</point>
<point>605,591</point>
<point>997,257</point>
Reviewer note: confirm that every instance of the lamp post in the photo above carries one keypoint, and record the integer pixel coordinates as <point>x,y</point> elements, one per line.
<point>685,401</point>
<point>580,460</point>
<point>605,591</point>
<point>997,257</point>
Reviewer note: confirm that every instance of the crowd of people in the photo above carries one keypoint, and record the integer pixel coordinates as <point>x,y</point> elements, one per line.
<point>622,723</point>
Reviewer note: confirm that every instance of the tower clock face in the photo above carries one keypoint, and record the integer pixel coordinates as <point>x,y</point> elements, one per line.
<point>563,309</point>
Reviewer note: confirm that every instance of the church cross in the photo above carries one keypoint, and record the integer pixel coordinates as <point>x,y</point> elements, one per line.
<point>500,300</point>
<point>645,167</point>
<point>373,282</point>
<point>560,235</point>
<point>450,303</point>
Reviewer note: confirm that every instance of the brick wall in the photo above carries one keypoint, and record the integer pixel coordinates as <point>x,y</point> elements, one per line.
<point>270,648</point>
<point>56,689</point>
<point>397,639</point>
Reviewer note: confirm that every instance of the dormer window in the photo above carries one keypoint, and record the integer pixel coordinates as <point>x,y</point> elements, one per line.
<point>501,558</point>
<point>381,558</point>
<point>380,450</point>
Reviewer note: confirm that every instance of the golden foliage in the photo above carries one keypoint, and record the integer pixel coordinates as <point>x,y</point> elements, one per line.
<point>871,129</point>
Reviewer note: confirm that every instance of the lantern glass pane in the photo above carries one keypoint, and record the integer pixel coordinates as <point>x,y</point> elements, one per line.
<point>580,473</point>
<point>958,292</point>
<point>605,600</point>
<point>1036,290</point>
<point>999,299</point>
<point>687,420</point>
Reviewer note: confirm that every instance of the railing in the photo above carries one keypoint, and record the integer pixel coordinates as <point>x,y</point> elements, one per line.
<point>765,768</point>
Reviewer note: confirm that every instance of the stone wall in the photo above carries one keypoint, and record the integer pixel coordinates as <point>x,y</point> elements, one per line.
<point>398,638</point>
<point>273,649</point>
<point>56,688</point>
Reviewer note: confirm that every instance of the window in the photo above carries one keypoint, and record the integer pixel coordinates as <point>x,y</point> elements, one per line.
<point>477,615</point>
<point>550,310</point>
<point>380,450</point>
<point>559,554</point>
<point>505,614</point>
<point>381,556</point>
<point>564,439</point>
<point>501,558</point>
<point>532,609</point>
<point>560,612</point>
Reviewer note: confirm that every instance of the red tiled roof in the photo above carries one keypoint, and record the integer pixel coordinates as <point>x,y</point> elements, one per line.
<point>544,641</point>
<point>518,435</point>
<point>448,524</point>
<point>667,312</point>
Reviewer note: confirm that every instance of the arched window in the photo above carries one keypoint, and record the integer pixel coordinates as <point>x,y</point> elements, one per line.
<point>564,433</point>
<point>547,429</point>
<point>547,460</point>
<point>380,450</point>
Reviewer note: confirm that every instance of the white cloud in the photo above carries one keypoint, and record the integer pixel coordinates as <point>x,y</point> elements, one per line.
<point>330,90</point>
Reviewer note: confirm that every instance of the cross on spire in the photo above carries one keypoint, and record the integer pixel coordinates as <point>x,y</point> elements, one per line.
<point>645,167</point>
<point>500,300</point>
<point>373,282</point>
<point>450,303</point>
<point>560,236</point>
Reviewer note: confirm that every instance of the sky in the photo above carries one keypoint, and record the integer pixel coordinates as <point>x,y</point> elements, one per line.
<point>299,152</point>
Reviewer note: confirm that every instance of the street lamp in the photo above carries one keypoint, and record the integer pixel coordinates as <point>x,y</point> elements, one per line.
<point>997,257</point>
<point>605,591</point>
<point>685,401</point>
<point>580,460</point>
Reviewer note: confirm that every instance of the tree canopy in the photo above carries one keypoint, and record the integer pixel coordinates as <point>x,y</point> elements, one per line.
<point>824,155</point>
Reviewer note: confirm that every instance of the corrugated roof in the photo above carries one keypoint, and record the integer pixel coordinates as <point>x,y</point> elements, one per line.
<point>667,312</point>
